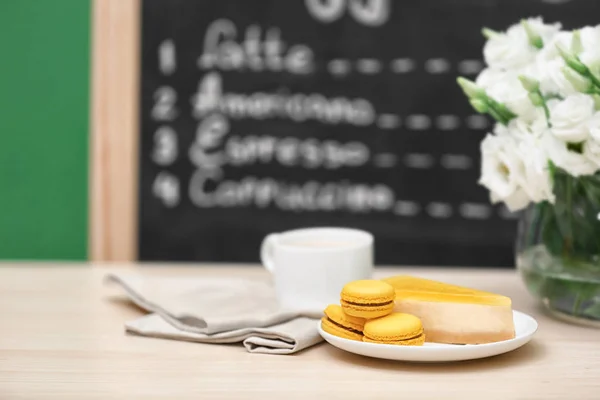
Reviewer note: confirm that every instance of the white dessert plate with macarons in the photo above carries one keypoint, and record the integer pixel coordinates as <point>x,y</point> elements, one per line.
<point>525,328</point>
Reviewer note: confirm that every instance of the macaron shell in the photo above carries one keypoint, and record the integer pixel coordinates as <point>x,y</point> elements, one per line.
<point>393,327</point>
<point>366,311</point>
<point>416,341</point>
<point>368,291</point>
<point>337,314</point>
<point>335,330</point>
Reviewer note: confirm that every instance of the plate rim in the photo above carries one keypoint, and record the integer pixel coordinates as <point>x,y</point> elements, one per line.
<point>454,348</point>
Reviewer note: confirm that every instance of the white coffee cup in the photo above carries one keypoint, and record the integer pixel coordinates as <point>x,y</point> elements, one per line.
<point>311,266</point>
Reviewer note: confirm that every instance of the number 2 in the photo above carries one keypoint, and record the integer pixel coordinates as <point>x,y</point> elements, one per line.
<point>165,98</point>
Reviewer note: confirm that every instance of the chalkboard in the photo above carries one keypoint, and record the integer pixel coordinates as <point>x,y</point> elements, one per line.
<point>267,115</point>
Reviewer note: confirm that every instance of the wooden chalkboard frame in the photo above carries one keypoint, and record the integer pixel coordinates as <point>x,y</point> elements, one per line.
<point>113,131</point>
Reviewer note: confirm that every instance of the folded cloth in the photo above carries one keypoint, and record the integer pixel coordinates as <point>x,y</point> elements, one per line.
<point>218,310</point>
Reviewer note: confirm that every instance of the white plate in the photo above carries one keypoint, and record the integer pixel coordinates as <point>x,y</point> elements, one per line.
<point>525,327</point>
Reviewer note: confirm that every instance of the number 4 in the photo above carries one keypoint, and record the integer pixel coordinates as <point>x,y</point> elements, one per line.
<point>166,188</point>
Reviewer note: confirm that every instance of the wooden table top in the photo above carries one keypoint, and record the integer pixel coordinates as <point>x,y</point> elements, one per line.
<point>62,337</point>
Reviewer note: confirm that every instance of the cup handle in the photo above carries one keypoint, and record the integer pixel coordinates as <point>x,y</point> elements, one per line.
<point>266,251</point>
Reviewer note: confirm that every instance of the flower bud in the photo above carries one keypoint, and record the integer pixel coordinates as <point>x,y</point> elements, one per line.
<point>479,105</point>
<point>572,61</point>
<point>536,99</point>
<point>534,39</point>
<point>505,111</point>
<point>580,83</point>
<point>596,98</point>
<point>471,89</point>
<point>576,44</point>
<point>529,84</point>
<point>489,33</point>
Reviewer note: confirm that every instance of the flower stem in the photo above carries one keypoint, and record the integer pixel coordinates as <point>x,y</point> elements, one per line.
<point>568,240</point>
<point>497,116</point>
<point>593,78</point>
<point>546,113</point>
<point>577,303</point>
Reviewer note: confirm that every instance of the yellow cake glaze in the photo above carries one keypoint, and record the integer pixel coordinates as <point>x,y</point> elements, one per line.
<point>410,287</point>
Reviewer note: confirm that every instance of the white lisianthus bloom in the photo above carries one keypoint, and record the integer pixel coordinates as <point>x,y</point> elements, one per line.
<point>591,147</point>
<point>519,129</point>
<point>515,202</point>
<point>573,162</point>
<point>546,31</point>
<point>538,182</point>
<point>552,79</point>
<point>549,64</point>
<point>503,172</point>
<point>512,49</point>
<point>508,51</point>
<point>513,95</point>
<point>569,117</point>
<point>590,41</point>
<point>550,52</point>
<point>490,77</point>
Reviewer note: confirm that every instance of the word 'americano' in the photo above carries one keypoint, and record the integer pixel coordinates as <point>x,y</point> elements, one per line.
<point>298,107</point>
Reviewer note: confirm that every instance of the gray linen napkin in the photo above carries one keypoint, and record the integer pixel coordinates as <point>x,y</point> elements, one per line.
<point>218,310</point>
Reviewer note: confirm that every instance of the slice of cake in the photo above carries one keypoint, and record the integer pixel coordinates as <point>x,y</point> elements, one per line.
<point>454,314</point>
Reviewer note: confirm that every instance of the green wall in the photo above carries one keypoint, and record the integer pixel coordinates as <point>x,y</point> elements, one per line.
<point>44,87</point>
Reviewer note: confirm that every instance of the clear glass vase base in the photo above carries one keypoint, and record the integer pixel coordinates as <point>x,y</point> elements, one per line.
<point>571,318</point>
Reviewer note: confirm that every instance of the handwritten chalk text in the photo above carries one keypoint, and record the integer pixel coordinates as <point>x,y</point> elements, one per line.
<point>308,196</point>
<point>298,107</point>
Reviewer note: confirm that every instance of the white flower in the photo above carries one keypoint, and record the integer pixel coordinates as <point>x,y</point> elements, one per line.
<point>538,183</point>
<point>550,52</point>
<point>552,79</point>
<point>591,150</point>
<point>591,147</point>
<point>520,129</point>
<point>511,93</point>
<point>594,127</point>
<point>569,117</point>
<point>562,156</point>
<point>590,41</point>
<point>546,31</point>
<point>508,52</point>
<point>491,76</point>
<point>535,181</point>
<point>518,200</point>
<point>512,49</point>
<point>503,171</point>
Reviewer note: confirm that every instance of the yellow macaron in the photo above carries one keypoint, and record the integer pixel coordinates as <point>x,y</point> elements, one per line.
<point>396,328</point>
<point>340,324</point>
<point>367,298</point>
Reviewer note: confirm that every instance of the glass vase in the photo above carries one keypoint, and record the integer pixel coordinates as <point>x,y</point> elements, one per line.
<point>558,249</point>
